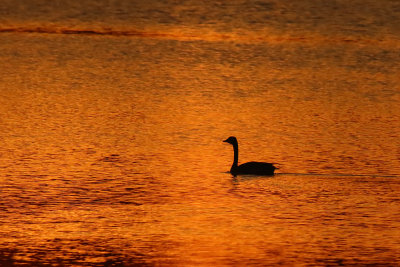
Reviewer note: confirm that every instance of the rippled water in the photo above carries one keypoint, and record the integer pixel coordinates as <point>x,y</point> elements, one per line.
<point>112,117</point>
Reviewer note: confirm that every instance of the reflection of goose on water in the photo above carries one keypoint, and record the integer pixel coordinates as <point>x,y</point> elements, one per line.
<point>257,168</point>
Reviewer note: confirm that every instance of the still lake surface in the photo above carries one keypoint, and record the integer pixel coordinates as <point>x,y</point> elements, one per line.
<point>113,113</point>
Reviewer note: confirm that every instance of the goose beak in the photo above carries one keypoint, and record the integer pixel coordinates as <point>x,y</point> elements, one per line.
<point>225,141</point>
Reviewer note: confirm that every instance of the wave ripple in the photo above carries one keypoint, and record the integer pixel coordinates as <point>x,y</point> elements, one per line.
<point>186,34</point>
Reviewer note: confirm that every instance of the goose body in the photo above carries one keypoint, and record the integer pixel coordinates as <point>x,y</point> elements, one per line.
<point>255,168</point>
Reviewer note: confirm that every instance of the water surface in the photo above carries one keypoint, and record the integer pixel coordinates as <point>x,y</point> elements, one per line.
<point>113,114</point>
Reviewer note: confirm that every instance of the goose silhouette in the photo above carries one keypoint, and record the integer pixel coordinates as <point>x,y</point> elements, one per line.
<point>255,168</point>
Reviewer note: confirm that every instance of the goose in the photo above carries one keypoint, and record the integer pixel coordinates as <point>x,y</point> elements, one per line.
<point>256,168</point>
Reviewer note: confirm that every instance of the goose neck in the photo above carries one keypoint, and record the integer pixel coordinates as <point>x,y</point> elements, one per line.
<point>235,155</point>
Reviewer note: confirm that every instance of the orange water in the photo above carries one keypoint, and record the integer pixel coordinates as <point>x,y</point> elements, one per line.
<point>112,127</point>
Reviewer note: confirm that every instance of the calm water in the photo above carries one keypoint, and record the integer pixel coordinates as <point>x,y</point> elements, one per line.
<point>112,116</point>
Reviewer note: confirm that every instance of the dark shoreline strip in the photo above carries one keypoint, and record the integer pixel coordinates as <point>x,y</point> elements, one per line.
<point>84,32</point>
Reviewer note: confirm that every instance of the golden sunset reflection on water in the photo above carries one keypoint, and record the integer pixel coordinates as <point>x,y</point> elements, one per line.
<point>111,134</point>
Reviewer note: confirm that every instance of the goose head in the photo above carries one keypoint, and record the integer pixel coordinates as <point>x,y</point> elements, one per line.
<point>231,140</point>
